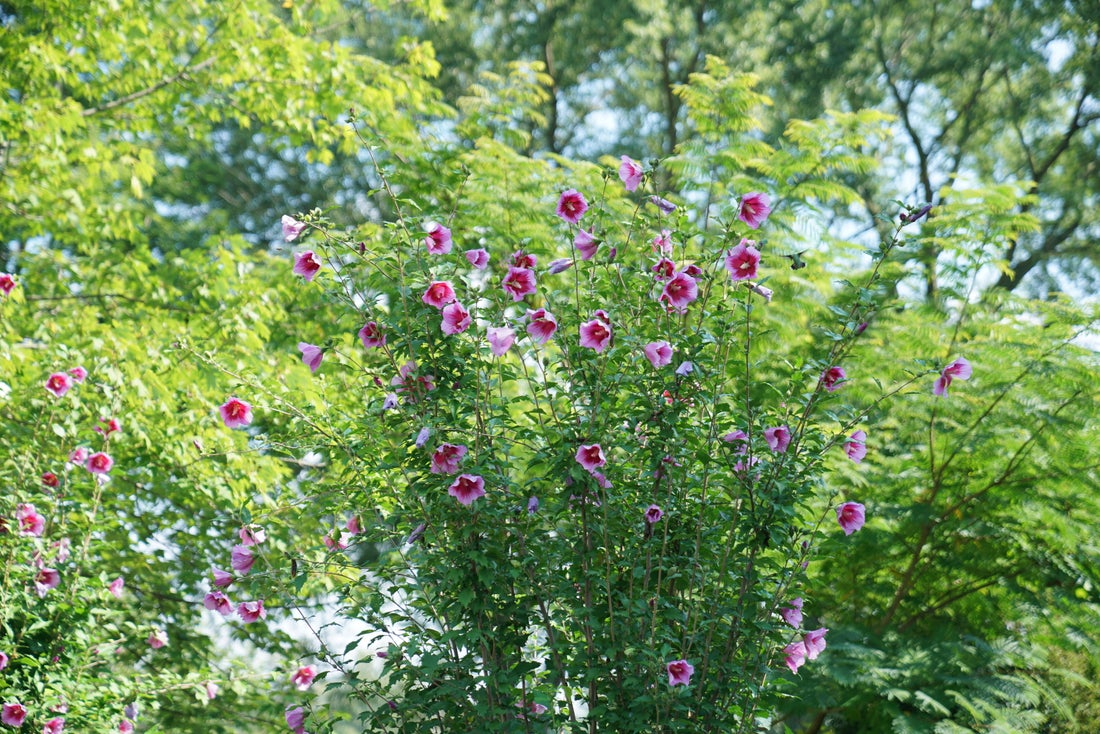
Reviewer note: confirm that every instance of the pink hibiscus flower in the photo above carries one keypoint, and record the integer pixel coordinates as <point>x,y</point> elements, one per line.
<point>630,171</point>
<point>679,291</point>
<point>295,719</point>
<point>595,334</point>
<point>815,643</point>
<point>30,522</point>
<point>115,587</point>
<point>46,579</point>
<point>792,615</point>
<point>407,381</point>
<point>479,258</point>
<point>456,319</point>
<point>518,282</point>
<point>523,259</point>
<point>55,725</point>
<point>241,559</point>
<point>778,438</point>
<point>311,355</point>
<point>13,714</point>
<point>222,579</point>
<point>446,457</point>
<point>664,269</point>
<point>78,373</point>
<point>541,325</point>
<point>586,244</point>
<point>572,206</point>
<point>252,534</point>
<point>851,516</point>
<point>58,383</point>
<point>662,243</point>
<point>833,378</point>
<point>679,672</point>
<point>653,514</point>
<point>236,413</point>
<point>438,241</point>
<point>99,463</point>
<point>754,210</point>
<point>467,488</point>
<point>439,294</point>
<point>659,353</point>
<point>372,336</point>
<point>742,261</point>
<point>303,679</point>
<point>856,447</point>
<point>306,264</point>
<point>292,228</point>
<point>795,654</point>
<point>217,601</point>
<point>960,369</point>
<point>251,611</point>
<point>501,339</point>
<point>7,283</point>
<point>591,457</point>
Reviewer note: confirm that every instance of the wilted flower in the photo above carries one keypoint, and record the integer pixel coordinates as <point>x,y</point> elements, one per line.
<point>218,602</point>
<point>666,206</point>
<point>559,266</point>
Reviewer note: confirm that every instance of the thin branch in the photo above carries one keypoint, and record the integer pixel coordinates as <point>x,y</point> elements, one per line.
<point>152,89</point>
